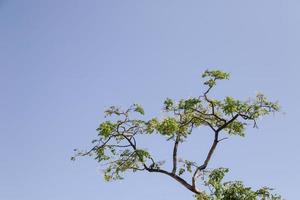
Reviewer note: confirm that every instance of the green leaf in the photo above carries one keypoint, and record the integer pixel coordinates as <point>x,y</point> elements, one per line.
<point>168,126</point>
<point>168,104</point>
<point>105,129</point>
<point>139,109</point>
<point>151,125</point>
<point>181,171</point>
<point>215,74</point>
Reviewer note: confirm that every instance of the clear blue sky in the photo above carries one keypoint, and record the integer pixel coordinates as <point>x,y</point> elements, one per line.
<point>63,62</point>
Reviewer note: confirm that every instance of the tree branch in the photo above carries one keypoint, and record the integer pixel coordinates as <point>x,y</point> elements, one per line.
<point>177,178</point>
<point>227,123</point>
<point>175,154</point>
<point>208,157</point>
<point>212,149</point>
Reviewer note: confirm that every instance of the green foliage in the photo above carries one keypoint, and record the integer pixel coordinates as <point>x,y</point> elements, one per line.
<point>236,128</point>
<point>231,105</point>
<point>214,75</point>
<point>168,104</point>
<point>117,149</point>
<point>187,166</point>
<point>152,125</point>
<point>105,129</point>
<point>100,155</point>
<point>233,190</point>
<point>168,126</point>
<point>139,109</point>
<point>189,104</point>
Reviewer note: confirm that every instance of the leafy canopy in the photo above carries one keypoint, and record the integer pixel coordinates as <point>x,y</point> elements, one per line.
<point>117,149</point>
<point>232,190</point>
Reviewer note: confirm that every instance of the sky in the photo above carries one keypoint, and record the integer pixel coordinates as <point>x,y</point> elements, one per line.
<point>62,63</point>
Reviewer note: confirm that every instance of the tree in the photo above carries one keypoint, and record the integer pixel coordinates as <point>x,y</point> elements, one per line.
<point>117,144</point>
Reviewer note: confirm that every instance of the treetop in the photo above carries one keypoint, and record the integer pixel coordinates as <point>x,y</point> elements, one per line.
<point>118,150</point>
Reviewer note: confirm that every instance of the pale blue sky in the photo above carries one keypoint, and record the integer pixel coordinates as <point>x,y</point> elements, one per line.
<point>62,62</point>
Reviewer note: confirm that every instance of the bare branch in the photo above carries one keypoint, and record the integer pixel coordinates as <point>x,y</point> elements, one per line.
<point>208,157</point>
<point>175,154</point>
<point>225,138</point>
<point>177,178</point>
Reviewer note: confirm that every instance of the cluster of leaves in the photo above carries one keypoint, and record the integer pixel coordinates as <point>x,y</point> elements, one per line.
<point>236,190</point>
<point>116,147</point>
<point>186,167</point>
<point>117,150</point>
